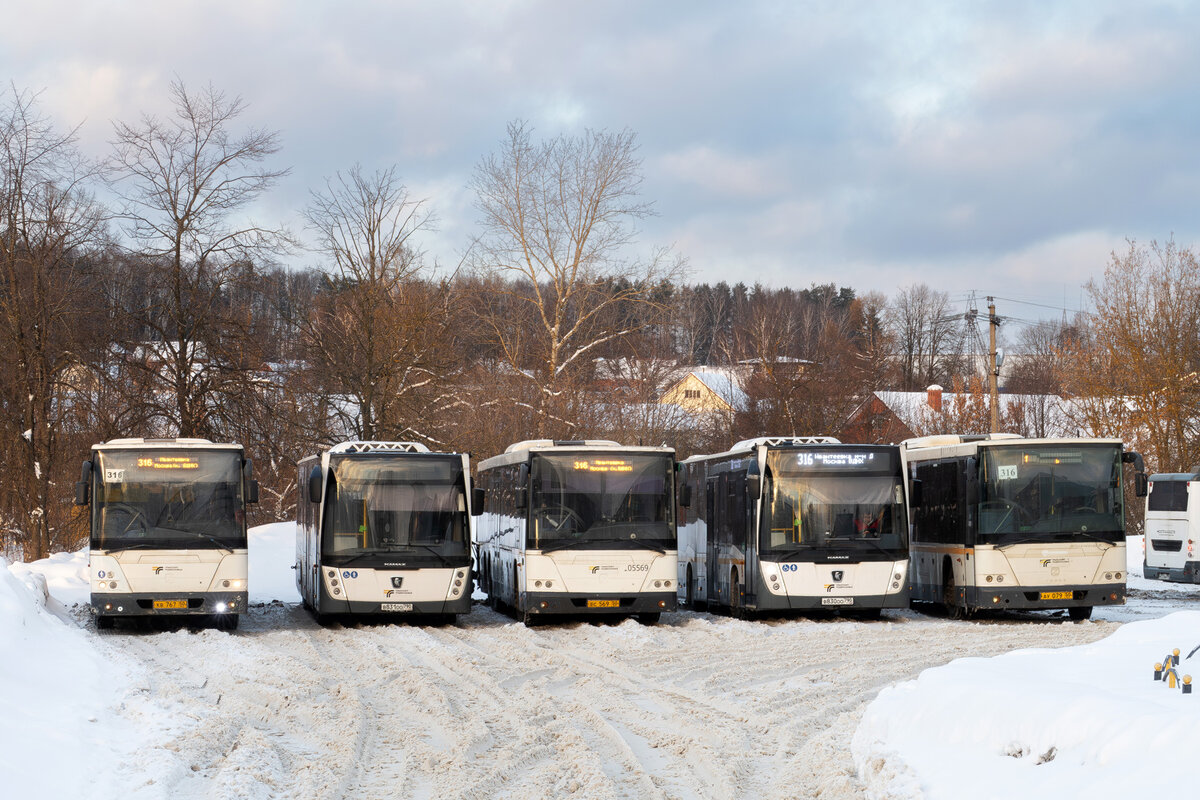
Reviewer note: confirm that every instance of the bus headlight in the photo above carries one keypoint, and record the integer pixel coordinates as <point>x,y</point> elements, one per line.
<point>536,584</point>
<point>774,578</point>
<point>459,574</point>
<point>999,579</point>
<point>658,584</point>
<point>112,584</point>
<point>989,579</point>
<point>549,584</point>
<point>337,591</point>
<point>898,576</point>
<point>333,573</point>
<point>1108,576</point>
<point>1117,575</point>
<point>225,584</point>
<point>667,584</point>
<point>221,607</point>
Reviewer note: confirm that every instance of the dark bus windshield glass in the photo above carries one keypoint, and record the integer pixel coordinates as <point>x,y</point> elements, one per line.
<point>397,504</point>
<point>172,499</point>
<point>609,499</point>
<point>1051,492</point>
<point>807,510</point>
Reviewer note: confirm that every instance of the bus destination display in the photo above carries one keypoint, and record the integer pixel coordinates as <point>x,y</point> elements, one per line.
<point>842,460</point>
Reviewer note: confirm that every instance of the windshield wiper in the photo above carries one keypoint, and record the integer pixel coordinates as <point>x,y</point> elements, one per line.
<point>136,546</point>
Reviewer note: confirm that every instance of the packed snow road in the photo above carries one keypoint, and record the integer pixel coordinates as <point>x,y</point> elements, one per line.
<point>698,706</point>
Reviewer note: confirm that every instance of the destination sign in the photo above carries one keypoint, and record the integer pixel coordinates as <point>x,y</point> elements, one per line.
<point>168,462</point>
<point>602,465</point>
<point>841,459</point>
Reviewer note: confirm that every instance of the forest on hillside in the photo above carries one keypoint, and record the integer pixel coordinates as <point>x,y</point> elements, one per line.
<point>162,311</point>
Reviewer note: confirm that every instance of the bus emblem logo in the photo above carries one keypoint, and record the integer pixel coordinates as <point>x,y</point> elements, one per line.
<point>837,575</point>
<point>158,570</point>
<point>396,582</point>
<point>594,570</point>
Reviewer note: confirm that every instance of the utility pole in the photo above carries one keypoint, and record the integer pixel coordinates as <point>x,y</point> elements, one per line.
<point>993,367</point>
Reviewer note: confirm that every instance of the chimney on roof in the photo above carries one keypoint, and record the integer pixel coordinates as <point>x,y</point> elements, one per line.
<point>934,394</point>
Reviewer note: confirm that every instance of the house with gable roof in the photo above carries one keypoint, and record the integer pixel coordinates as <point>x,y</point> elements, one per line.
<point>708,390</point>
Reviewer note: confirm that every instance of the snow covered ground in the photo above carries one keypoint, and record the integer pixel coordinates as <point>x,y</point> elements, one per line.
<point>1084,721</point>
<point>699,706</point>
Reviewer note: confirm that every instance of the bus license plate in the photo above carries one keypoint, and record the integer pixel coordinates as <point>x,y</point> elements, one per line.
<point>395,606</point>
<point>837,601</point>
<point>1057,596</point>
<point>169,604</point>
<point>604,604</point>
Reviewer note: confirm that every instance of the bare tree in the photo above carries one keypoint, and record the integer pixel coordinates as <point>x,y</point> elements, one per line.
<point>557,220</point>
<point>380,338</point>
<point>186,184</point>
<point>927,336</point>
<point>1134,371</point>
<point>48,223</point>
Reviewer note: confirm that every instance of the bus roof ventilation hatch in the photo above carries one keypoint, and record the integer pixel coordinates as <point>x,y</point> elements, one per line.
<point>784,441</point>
<point>379,447</point>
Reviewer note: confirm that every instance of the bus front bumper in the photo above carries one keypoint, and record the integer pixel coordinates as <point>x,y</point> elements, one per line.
<point>171,604</point>
<point>598,604</point>
<point>1047,597</point>
<point>1188,573</point>
<point>767,601</point>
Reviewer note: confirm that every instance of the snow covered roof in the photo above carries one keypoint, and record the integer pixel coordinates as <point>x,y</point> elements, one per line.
<point>1052,414</point>
<point>724,382</point>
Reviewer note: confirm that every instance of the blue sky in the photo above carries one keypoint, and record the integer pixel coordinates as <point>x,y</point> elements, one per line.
<point>1004,147</point>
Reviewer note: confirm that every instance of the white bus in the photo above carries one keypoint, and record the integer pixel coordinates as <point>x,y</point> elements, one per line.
<point>1004,522</point>
<point>578,527</point>
<point>384,528</point>
<point>1172,525</point>
<point>168,528</point>
<point>793,523</point>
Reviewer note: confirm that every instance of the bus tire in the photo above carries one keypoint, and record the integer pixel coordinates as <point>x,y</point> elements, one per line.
<point>649,618</point>
<point>104,623</point>
<point>950,596</point>
<point>1080,613</point>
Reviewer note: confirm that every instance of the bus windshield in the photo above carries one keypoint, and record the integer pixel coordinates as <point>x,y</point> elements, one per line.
<point>595,500</point>
<point>410,505</point>
<point>168,499</point>
<point>809,513</point>
<point>1050,492</point>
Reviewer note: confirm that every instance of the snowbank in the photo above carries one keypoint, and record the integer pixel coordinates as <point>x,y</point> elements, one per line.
<point>272,554</point>
<point>1084,721</point>
<point>54,688</point>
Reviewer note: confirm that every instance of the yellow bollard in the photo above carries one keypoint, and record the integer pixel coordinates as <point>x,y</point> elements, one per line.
<point>1187,684</point>
<point>1158,672</point>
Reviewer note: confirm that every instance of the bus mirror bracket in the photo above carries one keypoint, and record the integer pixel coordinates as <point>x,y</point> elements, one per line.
<point>83,487</point>
<point>478,497</point>
<point>314,484</point>
<point>1141,482</point>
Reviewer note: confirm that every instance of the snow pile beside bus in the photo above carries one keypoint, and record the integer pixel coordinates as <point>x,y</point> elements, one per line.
<point>272,556</point>
<point>54,693</point>
<point>1085,721</point>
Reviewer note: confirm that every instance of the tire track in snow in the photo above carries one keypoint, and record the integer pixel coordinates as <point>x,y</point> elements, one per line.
<point>696,707</point>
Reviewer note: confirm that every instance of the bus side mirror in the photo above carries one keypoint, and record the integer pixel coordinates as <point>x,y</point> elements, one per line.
<point>83,487</point>
<point>314,485</point>
<point>522,498</point>
<point>915,494</point>
<point>478,497</point>
<point>753,487</point>
<point>251,484</point>
<point>1141,484</point>
<point>685,495</point>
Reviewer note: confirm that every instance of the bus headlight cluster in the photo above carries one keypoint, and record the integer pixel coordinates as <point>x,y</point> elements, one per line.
<point>537,584</point>
<point>996,578</point>
<point>662,584</point>
<point>1112,576</point>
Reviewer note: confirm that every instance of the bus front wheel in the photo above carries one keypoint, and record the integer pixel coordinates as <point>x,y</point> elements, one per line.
<point>1080,613</point>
